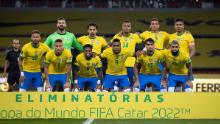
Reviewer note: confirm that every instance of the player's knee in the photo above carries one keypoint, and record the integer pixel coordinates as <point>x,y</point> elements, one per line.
<point>171,89</point>
<point>127,90</point>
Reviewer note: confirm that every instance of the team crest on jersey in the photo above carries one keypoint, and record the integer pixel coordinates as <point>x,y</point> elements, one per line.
<point>97,42</point>
<point>160,35</point>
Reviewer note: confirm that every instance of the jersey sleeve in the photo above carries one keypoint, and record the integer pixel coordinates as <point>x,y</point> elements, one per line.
<point>77,60</point>
<point>104,42</point>
<point>23,52</point>
<point>69,57</point>
<point>47,49</point>
<point>143,35</point>
<point>80,40</point>
<point>190,38</point>
<point>99,63</point>
<point>167,36</point>
<point>137,39</point>
<point>104,54</point>
<point>47,58</point>
<point>139,58</point>
<point>76,45</point>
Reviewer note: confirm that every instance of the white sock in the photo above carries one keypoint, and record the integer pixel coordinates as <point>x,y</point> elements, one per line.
<point>66,90</point>
<point>171,89</point>
<point>188,90</point>
<point>40,89</point>
<point>148,89</point>
<point>179,89</point>
<point>136,89</point>
<point>104,90</point>
<point>163,90</point>
<point>22,90</point>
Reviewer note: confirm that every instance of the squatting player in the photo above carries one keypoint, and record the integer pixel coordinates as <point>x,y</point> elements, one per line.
<point>58,67</point>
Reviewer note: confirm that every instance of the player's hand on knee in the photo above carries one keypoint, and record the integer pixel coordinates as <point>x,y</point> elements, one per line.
<point>136,83</point>
<point>164,83</point>
<point>190,84</point>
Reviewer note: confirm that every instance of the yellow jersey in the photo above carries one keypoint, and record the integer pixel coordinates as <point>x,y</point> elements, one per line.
<point>87,68</point>
<point>184,41</point>
<point>116,62</point>
<point>97,43</point>
<point>150,64</point>
<point>177,64</point>
<point>128,43</point>
<point>58,64</point>
<point>32,56</point>
<point>159,38</point>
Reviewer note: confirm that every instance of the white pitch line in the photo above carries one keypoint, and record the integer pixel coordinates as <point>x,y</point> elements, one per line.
<point>88,121</point>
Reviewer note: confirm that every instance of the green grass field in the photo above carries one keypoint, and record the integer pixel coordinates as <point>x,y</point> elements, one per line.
<point>80,121</point>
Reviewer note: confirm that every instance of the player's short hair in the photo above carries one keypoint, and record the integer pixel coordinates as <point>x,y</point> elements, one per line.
<point>35,31</point>
<point>179,20</point>
<point>154,19</point>
<point>61,18</point>
<point>174,42</point>
<point>116,40</point>
<point>87,45</point>
<point>126,21</point>
<point>58,41</point>
<point>149,40</point>
<point>92,24</point>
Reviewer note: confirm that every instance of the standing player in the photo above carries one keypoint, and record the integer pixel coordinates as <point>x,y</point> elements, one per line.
<point>88,66</point>
<point>184,38</point>
<point>150,72</point>
<point>116,71</point>
<point>11,65</point>
<point>68,38</point>
<point>31,56</point>
<point>58,66</point>
<point>159,37</point>
<point>98,42</point>
<point>179,66</point>
<point>128,42</point>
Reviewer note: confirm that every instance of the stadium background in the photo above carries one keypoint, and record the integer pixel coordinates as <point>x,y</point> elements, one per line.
<point>202,19</point>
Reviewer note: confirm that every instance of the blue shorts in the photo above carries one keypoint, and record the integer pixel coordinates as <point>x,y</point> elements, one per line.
<point>109,81</point>
<point>146,79</point>
<point>32,78</point>
<point>57,78</point>
<point>174,79</point>
<point>87,81</point>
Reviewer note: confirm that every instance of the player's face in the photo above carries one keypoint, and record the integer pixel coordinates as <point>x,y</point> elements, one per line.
<point>88,52</point>
<point>92,31</point>
<point>16,44</point>
<point>61,24</point>
<point>126,27</point>
<point>59,47</point>
<point>174,48</point>
<point>116,46</point>
<point>149,46</point>
<point>179,26</point>
<point>35,37</point>
<point>154,25</point>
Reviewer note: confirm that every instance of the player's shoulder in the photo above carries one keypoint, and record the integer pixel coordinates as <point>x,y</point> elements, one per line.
<point>164,32</point>
<point>145,32</point>
<point>82,37</point>
<point>100,38</point>
<point>80,56</point>
<point>27,45</point>
<point>43,45</point>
